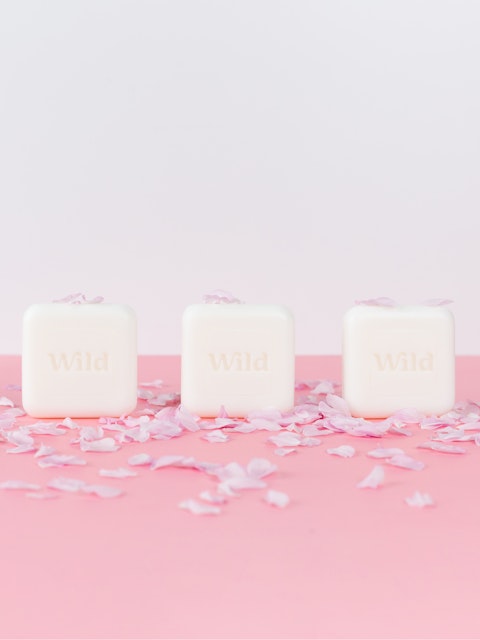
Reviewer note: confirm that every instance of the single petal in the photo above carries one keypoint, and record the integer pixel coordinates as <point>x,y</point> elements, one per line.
<point>377,302</point>
<point>380,452</point>
<point>103,445</point>
<point>199,508</point>
<point>260,468</point>
<point>284,451</point>
<point>375,478</point>
<point>6,402</point>
<point>60,460</point>
<point>102,491</point>
<point>140,460</point>
<point>121,472</point>
<point>219,296</point>
<point>420,500</point>
<point>19,484</point>
<point>406,462</point>
<point>441,447</point>
<point>70,485</point>
<point>277,498</point>
<point>344,451</point>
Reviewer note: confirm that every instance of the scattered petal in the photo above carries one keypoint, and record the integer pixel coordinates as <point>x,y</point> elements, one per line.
<point>60,460</point>
<point>71,485</point>
<point>385,453</point>
<point>102,445</point>
<point>260,468</point>
<point>214,498</point>
<point>219,296</point>
<point>344,451</point>
<point>121,472</point>
<point>420,500</point>
<point>286,439</point>
<point>102,491</point>
<point>19,484</point>
<point>284,451</point>
<point>377,302</point>
<point>406,462</point>
<point>140,460</point>
<point>374,479</point>
<point>199,508</point>
<point>442,447</point>
<point>216,435</point>
<point>277,498</point>
<point>6,402</point>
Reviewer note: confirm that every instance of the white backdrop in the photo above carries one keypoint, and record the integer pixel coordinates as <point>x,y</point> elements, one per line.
<point>304,152</point>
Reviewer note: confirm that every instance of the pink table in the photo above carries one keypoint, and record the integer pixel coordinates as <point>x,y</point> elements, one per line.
<point>337,562</point>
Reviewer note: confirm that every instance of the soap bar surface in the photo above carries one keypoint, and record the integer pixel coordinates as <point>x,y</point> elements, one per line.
<point>398,357</point>
<point>79,360</point>
<point>240,356</point>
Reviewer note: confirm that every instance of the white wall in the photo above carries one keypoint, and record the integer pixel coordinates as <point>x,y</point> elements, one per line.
<point>305,152</point>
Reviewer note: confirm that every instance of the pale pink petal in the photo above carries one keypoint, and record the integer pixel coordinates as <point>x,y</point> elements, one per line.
<point>19,438</point>
<point>344,451</point>
<point>102,491</point>
<point>420,500</point>
<point>313,430</point>
<point>165,399</point>
<point>214,498</point>
<point>277,498</point>
<point>437,302</point>
<point>477,439</point>
<point>69,423</point>
<point>408,415</point>
<point>16,412</point>
<point>154,383</point>
<point>6,402</point>
<point>71,485</point>
<point>222,412</point>
<point>265,425</point>
<point>286,439</point>
<point>121,472</point>
<point>103,445</point>
<point>140,460</point>
<point>272,415</point>
<point>44,450</point>
<point>199,508</point>
<point>42,495</point>
<point>441,447</point>
<point>22,448</point>
<point>91,433</point>
<point>377,302</point>
<point>338,404</point>
<point>375,478</point>
<point>187,462</point>
<point>326,387</point>
<point>229,470</point>
<point>310,442</point>
<point>241,483</point>
<point>19,484</point>
<point>244,427</point>
<point>60,460</point>
<point>406,462</point>
<point>260,468</point>
<point>216,435</point>
<point>187,420</point>
<point>45,429</point>
<point>219,296</point>
<point>379,452</point>
<point>284,451</point>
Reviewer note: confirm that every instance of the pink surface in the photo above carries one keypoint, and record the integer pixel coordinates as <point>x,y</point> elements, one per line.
<point>337,562</point>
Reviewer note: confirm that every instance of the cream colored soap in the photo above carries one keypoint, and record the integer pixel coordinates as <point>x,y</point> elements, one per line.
<point>398,357</point>
<point>240,356</point>
<point>79,360</point>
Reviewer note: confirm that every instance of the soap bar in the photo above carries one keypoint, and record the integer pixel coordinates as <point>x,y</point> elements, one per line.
<point>240,356</point>
<point>398,357</point>
<point>79,360</point>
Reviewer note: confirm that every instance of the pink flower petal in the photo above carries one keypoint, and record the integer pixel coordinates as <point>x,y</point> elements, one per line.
<point>420,500</point>
<point>284,451</point>
<point>42,495</point>
<point>60,460</point>
<point>158,384</point>
<point>286,439</point>
<point>216,435</point>
<point>344,451</point>
<point>6,402</point>
<point>277,498</point>
<point>260,468</point>
<point>44,450</point>
<point>102,491</point>
<point>121,472</point>
<point>199,508</point>
<point>437,302</point>
<point>377,302</point>
<point>214,498</point>
<point>140,460</point>
<point>385,453</point>
<point>441,447</point>
<point>406,462</point>
<point>375,478</point>
<point>103,445</point>
<point>70,485</point>
<point>19,485</point>
<point>219,296</point>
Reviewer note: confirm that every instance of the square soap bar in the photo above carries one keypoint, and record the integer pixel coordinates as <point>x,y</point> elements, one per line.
<point>398,357</point>
<point>240,356</point>
<point>79,360</point>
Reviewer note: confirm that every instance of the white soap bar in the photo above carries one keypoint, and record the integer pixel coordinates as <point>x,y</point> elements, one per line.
<point>240,356</point>
<point>398,357</point>
<point>79,360</point>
